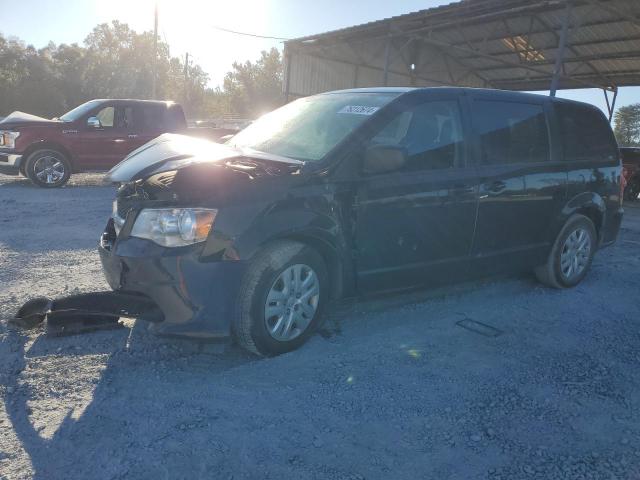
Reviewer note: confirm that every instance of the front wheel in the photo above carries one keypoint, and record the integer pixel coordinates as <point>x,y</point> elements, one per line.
<point>48,168</point>
<point>281,299</point>
<point>571,255</point>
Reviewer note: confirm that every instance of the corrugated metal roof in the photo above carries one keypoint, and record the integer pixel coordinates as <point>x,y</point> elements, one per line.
<point>511,44</point>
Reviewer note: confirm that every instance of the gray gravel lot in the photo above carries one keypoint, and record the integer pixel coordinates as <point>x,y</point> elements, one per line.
<point>392,388</point>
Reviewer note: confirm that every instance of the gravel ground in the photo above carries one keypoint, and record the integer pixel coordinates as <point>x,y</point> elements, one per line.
<point>392,388</point>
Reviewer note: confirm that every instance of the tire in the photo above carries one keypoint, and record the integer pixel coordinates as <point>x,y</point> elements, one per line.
<point>556,272</point>
<point>632,190</point>
<point>48,168</point>
<point>256,325</point>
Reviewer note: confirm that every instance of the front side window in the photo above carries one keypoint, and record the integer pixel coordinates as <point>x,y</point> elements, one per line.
<point>585,133</point>
<point>511,132</point>
<point>307,129</point>
<point>106,117</point>
<point>430,132</point>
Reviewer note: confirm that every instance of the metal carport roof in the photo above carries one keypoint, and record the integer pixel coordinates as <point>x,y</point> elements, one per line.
<point>507,44</point>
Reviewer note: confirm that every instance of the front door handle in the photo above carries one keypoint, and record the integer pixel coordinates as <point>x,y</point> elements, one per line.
<point>132,136</point>
<point>496,188</point>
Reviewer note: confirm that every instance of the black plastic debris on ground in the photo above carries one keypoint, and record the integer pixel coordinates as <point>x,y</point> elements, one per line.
<point>479,327</point>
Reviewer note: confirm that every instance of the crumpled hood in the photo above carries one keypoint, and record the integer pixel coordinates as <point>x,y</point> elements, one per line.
<point>173,152</point>
<point>22,119</point>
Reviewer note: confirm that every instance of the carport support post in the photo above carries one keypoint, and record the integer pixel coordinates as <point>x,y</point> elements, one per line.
<point>387,55</point>
<point>562,46</point>
<point>287,82</point>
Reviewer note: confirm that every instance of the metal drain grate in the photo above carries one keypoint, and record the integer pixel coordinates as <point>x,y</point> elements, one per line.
<point>479,327</point>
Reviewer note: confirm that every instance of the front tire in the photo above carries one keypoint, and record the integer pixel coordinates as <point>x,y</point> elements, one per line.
<point>571,255</point>
<point>281,299</point>
<point>48,168</point>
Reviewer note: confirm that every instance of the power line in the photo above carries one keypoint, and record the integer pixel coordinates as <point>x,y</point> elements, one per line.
<point>248,34</point>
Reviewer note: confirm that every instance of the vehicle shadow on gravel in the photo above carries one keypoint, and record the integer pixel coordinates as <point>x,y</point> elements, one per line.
<point>137,362</point>
<point>94,179</point>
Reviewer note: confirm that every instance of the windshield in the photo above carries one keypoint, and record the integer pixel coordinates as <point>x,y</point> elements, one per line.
<point>79,111</point>
<point>309,128</point>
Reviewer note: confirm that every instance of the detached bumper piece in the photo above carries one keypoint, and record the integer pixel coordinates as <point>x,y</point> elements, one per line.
<point>85,312</point>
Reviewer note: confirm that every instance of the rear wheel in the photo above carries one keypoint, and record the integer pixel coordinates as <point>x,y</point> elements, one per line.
<point>632,190</point>
<point>48,168</point>
<point>281,299</point>
<point>571,255</point>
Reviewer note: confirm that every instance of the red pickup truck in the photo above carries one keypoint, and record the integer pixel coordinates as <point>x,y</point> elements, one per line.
<point>94,136</point>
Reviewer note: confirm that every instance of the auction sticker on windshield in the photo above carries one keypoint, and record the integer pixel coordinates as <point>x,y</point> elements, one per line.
<point>359,110</point>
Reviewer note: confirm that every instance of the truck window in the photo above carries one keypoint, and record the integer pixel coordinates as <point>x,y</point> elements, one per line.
<point>124,118</point>
<point>511,132</point>
<point>431,132</point>
<point>150,118</point>
<point>174,120</point>
<point>586,134</point>
<point>106,116</point>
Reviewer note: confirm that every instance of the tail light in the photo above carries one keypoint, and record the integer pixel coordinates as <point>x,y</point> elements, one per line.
<point>623,183</point>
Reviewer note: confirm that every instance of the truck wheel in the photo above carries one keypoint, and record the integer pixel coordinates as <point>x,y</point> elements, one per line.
<point>48,168</point>
<point>281,299</point>
<point>571,255</point>
<point>632,190</point>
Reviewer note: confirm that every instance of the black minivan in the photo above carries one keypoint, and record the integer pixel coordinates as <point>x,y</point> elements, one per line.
<point>358,191</point>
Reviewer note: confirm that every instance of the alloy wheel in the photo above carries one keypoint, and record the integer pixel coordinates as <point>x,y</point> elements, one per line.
<point>575,254</point>
<point>49,169</point>
<point>292,302</point>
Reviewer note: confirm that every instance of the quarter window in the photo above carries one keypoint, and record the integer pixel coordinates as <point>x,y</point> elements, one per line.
<point>431,133</point>
<point>510,132</point>
<point>586,134</point>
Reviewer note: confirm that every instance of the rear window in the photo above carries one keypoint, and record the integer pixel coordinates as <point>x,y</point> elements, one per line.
<point>586,134</point>
<point>511,132</point>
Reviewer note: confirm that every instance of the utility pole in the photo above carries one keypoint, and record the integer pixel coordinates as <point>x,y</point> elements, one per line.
<point>186,79</point>
<point>155,53</point>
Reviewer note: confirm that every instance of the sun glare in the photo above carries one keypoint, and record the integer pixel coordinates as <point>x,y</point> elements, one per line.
<point>188,26</point>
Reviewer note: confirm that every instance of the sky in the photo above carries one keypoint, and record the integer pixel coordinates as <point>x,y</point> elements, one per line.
<point>189,26</point>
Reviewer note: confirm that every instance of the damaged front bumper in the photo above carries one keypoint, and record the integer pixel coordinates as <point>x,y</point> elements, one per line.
<point>10,163</point>
<point>174,289</point>
<point>196,297</point>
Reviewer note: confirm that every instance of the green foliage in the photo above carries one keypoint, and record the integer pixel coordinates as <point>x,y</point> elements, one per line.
<point>117,62</point>
<point>627,125</point>
<point>255,88</point>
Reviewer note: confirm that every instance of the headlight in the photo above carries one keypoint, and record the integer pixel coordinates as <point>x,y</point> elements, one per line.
<point>174,227</point>
<point>8,138</point>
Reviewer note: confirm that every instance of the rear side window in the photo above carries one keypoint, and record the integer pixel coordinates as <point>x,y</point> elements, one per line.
<point>586,134</point>
<point>174,120</point>
<point>150,117</point>
<point>510,132</point>
<point>431,133</point>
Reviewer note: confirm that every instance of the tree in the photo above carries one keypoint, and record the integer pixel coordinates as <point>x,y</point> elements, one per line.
<point>255,88</point>
<point>627,125</point>
<point>117,62</point>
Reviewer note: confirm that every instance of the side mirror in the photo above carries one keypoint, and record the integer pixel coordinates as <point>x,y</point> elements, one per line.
<point>93,122</point>
<point>384,158</point>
